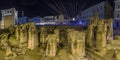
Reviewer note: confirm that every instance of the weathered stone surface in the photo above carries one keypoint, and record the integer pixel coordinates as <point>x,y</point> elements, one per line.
<point>17,32</point>
<point>76,40</point>
<point>32,40</point>
<point>101,35</point>
<point>52,43</point>
<point>42,35</point>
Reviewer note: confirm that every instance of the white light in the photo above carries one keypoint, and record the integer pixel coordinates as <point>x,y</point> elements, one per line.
<point>80,22</point>
<point>73,19</point>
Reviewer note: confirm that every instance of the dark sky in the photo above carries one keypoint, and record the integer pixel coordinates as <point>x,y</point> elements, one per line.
<point>42,8</point>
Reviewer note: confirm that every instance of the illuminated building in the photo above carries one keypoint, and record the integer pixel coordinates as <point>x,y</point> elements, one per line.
<point>103,9</point>
<point>9,17</point>
<point>22,20</point>
<point>36,20</point>
<point>61,17</point>
<point>117,12</point>
<point>48,20</point>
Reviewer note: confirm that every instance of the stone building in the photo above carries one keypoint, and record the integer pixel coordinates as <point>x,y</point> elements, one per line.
<point>61,17</point>
<point>103,9</point>
<point>22,20</point>
<point>117,12</point>
<point>9,17</point>
<point>48,20</point>
<point>36,20</point>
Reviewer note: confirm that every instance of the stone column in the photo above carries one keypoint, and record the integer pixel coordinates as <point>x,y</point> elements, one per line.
<point>89,36</point>
<point>32,42</point>
<point>90,33</point>
<point>104,39</point>
<point>101,35</point>
<point>33,37</point>
<point>81,44</point>
<point>73,47</point>
<point>77,42</point>
<point>51,46</point>
<point>22,37</point>
<point>17,32</point>
<point>42,35</point>
<point>52,49</point>
<point>21,33</point>
<point>110,30</point>
<point>29,38</point>
<point>73,42</point>
<point>56,32</point>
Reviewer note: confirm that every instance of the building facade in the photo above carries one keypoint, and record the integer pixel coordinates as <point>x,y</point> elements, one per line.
<point>48,20</point>
<point>103,9</point>
<point>117,13</point>
<point>36,20</point>
<point>9,17</point>
<point>22,20</point>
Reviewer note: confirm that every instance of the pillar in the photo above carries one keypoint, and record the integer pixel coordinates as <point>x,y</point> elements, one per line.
<point>51,49</point>
<point>32,42</point>
<point>89,36</point>
<point>101,35</point>
<point>42,35</point>
<point>17,32</point>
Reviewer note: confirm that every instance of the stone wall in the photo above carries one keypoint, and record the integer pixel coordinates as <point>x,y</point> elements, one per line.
<point>76,39</point>
<point>52,43</point>
<point>101,35</point>
<point>32,38</point>
<point>98,32</point>
<point>27,36</point>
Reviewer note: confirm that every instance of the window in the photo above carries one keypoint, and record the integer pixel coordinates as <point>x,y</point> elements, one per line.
<point>101,7</point>
<point>117,15</point>
<point>97,9</point>
<point>118,6</point>
<point>10,11</point>
<point>7,12</point>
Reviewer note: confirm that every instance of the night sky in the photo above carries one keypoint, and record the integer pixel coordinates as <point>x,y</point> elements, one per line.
<point>41,8</point>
